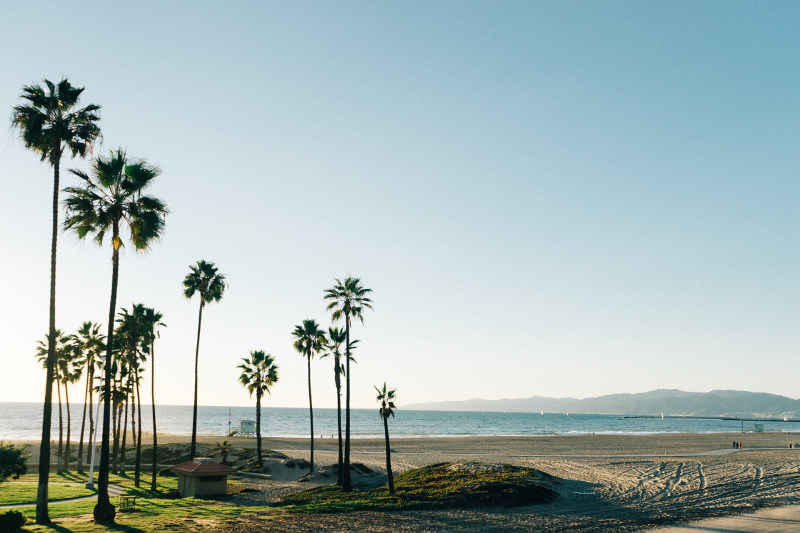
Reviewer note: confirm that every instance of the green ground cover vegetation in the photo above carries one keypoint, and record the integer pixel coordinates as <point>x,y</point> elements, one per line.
<point>15,492</point>
<point>433,487</point>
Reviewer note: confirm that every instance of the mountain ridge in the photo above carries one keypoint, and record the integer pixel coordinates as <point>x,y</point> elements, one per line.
<point>671,402</point>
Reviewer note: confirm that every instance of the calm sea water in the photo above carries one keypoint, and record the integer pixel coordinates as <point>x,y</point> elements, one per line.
<point>23,421</point>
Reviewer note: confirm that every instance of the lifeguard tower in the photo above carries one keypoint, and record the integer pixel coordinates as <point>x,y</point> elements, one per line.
<point>247,428</point>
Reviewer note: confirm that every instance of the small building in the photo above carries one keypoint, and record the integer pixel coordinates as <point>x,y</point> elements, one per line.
<point>202,477</point>
<point>247,427</point>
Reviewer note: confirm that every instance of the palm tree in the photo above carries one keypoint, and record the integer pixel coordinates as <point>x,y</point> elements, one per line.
<point>205,280</point>
<point>259,373</point>
<point>386,401</point>
<point>151,320</point>
<point>42,355</point>
<point>135,334</point>
<point>71,371</point>
<point>336,337</point>
<point>89,342</point>
<point>115,196</point>
<point>309,339</point>
<point>222,449</point>
<point>50,123</point>
<point>347,299</point>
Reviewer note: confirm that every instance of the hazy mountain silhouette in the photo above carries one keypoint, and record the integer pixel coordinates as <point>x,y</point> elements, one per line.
<point>666,401</point>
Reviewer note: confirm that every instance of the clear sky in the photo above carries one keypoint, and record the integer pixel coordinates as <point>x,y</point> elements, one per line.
<point>547,198</point>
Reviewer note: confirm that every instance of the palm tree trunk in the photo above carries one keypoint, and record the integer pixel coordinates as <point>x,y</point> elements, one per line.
<point>124,427</point>
<point>258,426</point>
<point>196,359</point>
<point>117,407</point>
<point>311,413</point>
<point>138,467</point>
<point>340,473</point>
<point>103,511</point>
<point>91,406</point>
<point>69,422</point>
<point>42,516</point>
<point>153,401</point>
<point>388,455</point>
<point>60,460</point>
<point>83,428</point>
<point>347,485</point>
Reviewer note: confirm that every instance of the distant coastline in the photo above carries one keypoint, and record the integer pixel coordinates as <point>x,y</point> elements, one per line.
<point>668,402</point>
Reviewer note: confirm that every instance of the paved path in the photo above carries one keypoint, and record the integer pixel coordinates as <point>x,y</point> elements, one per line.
<point>113,491</point>
<point>776,520</point>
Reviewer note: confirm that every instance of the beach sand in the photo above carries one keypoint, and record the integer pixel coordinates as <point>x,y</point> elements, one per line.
<point>608,483</point>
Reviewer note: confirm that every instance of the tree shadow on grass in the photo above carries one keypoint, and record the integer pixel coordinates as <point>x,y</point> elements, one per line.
<point>115,527</point>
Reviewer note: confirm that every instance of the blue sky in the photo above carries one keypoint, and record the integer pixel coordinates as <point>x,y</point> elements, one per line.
<point>552,198</point>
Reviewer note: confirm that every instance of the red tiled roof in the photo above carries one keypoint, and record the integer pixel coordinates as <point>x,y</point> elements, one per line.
<point>203,467</point>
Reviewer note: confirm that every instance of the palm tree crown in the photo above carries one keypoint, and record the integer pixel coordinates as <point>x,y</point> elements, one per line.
<point>115,195</point>
<point>349,299</point>
<point>50,121</point>
<point>309,339</point>
<point>386,401</point>
<point>205,280</point>
<point>259,372</point>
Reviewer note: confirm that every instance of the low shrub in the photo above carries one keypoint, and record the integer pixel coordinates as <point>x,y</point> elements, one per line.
<point>11,521</point>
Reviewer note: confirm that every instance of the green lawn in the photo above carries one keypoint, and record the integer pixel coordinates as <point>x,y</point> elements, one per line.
<point>435,486</point>
<point>19,492</point>
<point>158,511</point>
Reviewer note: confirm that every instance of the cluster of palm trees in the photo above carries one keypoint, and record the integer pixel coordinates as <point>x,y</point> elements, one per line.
<point>74,354</point>
<point>110,200</point>
<point>347,300</point>
<point>135,336</point>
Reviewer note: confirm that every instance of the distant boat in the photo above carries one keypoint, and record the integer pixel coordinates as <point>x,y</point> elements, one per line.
<point>542,412</point>
<point>662,416</point>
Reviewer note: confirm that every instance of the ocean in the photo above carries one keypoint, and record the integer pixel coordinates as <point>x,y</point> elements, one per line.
<point>22,421</point>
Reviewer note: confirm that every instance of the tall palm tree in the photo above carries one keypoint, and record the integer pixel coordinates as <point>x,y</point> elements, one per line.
<point>309,339</point>
<point>336,337</point>
<point>386,401</point>
<point>112,198</point>
<point>259,373</point>
<point>151,320</point>
<point>348,299</point>
<point>89,342</point>
<point>205,280</point>
<point>50,122</point>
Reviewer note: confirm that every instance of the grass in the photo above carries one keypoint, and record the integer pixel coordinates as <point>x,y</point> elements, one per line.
<point>436,486</point>
<point>16,492</point>
<point>155,511</point>
<point>433,487</point>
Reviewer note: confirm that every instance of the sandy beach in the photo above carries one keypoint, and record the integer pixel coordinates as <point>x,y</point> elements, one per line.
<point>607,483</point>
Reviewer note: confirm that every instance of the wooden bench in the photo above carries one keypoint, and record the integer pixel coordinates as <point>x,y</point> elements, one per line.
<point>127,503</point>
